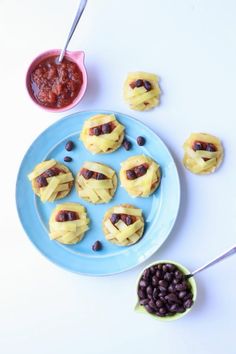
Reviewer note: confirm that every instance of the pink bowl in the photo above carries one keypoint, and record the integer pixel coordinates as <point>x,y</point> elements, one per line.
<point>77,57</point>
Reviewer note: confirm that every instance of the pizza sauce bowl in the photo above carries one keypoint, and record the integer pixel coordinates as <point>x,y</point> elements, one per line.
<point>57,87</point>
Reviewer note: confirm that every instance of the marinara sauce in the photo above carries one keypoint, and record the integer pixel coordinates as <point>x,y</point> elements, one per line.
<point>56,84</point>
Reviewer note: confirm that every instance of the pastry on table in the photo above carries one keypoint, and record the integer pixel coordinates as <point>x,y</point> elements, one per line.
<point>51,180</point>
<point>68,223</point>
<point>96,183</point>
<point>102,134</point>
<point>142,91</point>
<point>203,153</point>
<point>123,225</point>
<point>140,175</point>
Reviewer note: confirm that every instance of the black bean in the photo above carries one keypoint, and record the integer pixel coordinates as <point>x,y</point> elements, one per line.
<point>130,174</point>
<point>180,309</point>
<point>159,266</point>
<point>97,246</point>
<point>159,303</point>
<point>210,147</point>
<point>114,218</point>
<point>139,83</point>
<point>144,301</point>
<point>149,309</point>
<point>50,173</point>
<point>62,217</point>
<point>146,273</point>
<point>163,283</point>
<point>128,220</point>
<point>178,274</point>
<point>182,294</point>
<point>171,288</point>
<point>173,308</point>
<point>149,290</point>
<point>163,289</point>
<point>143,283</point>
<point>67,159</point>
<point>152,305</point>
<point>153,269</point>
<point>162,310</point>
<point>141,140</point>
<point>127,144</point>
<point>159,274</point>
<point>71,215</point>
<point>188,303</point>
<point>197,146</point>
<point>160,314</point>
<point>149,296</point>
<point>69,145</point>
<point>96,131</point>
<point>155,294</point>
<point>41,181</point>
<point>155,280</point>
<point>141,294</point>
<point>100,176</point>
<point>87,174</point>
<point>106,128</point>
<point>171,298</point>
<point>188,296</point>
<point>168,276</point>
<point>171,267</point>
<point>140,170</point>
<point>180,287</point>
<point>176,281</point>
<point>147,85</point>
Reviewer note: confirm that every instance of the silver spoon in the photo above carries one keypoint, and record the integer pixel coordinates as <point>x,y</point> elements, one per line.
<point>220,258</point>
<point>73,27</point>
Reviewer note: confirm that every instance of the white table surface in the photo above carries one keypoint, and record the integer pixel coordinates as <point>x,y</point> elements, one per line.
<point>191,45</point>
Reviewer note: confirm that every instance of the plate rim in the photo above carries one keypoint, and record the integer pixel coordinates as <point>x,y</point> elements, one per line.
<point>152,250</point>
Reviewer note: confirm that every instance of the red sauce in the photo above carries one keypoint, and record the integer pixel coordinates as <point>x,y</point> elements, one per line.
<point>56,85</point>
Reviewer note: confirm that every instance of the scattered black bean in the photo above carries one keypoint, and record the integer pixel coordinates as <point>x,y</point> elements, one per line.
<point>127,144</point>
<point>97,246</point>
<point>163,290</point>
<point>140,140</point>
<point>67,159</point>
<point>69,145</point>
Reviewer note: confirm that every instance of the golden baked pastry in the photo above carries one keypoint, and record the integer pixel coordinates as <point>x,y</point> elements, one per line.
<point>102,134</point>
<point>123,225</point>
<point>51,180</point>
<point>68,223</point>
<point>142,91</point>
<point>140,175</point>
<point>203,153</point>
<point>96,182</point>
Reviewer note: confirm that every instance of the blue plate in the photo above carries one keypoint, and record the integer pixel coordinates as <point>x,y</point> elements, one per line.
<point>160,210</point>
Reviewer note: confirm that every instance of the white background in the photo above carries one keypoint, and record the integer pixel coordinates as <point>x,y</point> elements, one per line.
<point>191,45</point>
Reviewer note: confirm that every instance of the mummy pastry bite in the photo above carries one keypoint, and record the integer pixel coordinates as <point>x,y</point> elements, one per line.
<point>123,225</point>
<point>51,180</point>
<point>68,223</point>
<point>203,153</point>
<point>140,175</point>
<point>102,134</point>
<point>96,182</point>
<point>142,91</point>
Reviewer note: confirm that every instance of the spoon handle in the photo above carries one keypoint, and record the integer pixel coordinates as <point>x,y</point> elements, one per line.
<point>215,260</point>
<point>73,27</point>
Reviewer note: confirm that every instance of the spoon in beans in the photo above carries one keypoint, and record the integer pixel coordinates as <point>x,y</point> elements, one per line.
<point>218,259</point>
